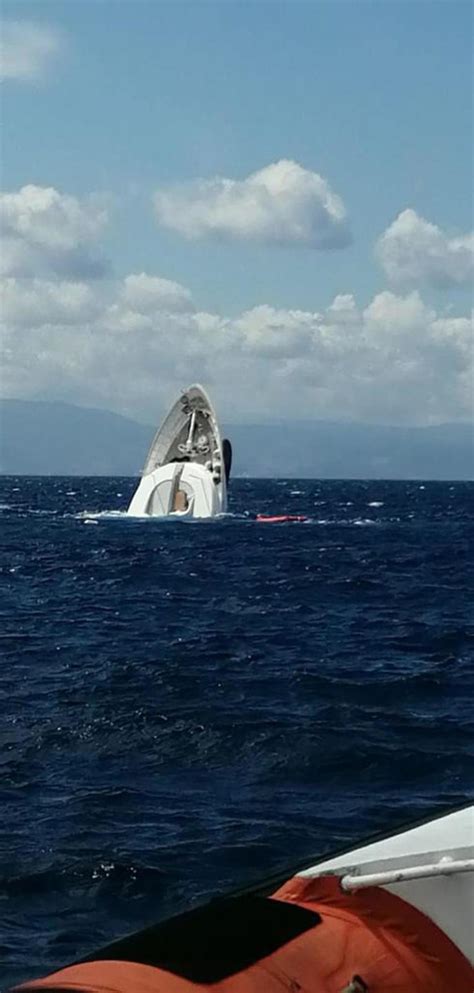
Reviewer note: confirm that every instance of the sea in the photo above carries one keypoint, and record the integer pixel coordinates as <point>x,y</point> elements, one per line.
<point>188,708</point>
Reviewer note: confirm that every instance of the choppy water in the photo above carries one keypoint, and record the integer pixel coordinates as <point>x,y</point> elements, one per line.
<point>186,707</point>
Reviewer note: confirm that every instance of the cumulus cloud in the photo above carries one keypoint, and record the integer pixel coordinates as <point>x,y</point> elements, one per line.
<point>412,250</point>
<point>267,332</point>
<point>44,231</point>
<point>129,345</point>
<point>142,301</point>
<point>27,49</point>
<point>147,294</point>
<point>37,302</point>
<point>280,204</point>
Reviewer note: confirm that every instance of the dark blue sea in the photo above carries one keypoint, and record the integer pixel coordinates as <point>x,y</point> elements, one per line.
<point>186,708</point>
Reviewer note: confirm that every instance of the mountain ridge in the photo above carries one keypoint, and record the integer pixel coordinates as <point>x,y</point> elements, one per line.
<point>56,438</point>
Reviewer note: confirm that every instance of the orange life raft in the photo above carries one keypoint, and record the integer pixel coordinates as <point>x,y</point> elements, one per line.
<point>308,937</point>
<point>280,518</point>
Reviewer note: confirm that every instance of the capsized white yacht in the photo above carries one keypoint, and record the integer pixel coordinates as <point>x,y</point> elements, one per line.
<point>188,466</point>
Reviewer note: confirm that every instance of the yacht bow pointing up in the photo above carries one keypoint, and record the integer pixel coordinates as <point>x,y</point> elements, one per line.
<point>187,469</point>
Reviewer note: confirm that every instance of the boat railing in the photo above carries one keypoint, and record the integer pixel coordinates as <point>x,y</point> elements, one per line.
<point>445,867</point>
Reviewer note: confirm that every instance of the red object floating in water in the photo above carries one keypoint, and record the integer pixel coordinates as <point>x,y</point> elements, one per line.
<point>280,518</point>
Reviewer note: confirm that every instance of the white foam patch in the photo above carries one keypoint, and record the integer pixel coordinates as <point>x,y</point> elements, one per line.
<point>38,513</point>
<point>96,515</point>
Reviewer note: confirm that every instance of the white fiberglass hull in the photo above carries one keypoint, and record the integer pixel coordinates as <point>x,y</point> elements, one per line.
<point>430,866</point>
<point>185,472</point>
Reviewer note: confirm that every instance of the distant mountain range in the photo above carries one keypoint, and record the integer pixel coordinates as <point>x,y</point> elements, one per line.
<point>39,438</point>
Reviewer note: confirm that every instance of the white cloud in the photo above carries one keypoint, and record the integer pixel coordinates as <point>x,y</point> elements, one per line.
<point>147,294</point>
<point>271,333</point>
<point>35,302</point>
<point>281,204</point>
<point>27,49</point>
<point>414,251</point>
<point>128,346</point>
<point>44,231</point>
<point>343,309</point>
<point>142,301</point>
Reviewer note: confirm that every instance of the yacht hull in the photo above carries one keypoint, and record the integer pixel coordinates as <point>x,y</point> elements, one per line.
<point>184,475</point>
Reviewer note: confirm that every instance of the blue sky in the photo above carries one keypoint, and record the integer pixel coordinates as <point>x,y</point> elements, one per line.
<point>141,96</point>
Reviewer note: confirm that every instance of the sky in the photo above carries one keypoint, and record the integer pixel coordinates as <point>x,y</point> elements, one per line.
<point>273,199</point>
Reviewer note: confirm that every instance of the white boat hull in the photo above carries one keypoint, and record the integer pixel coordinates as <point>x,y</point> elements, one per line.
<point>430,866</point>
<point>185,473</point>
<point>159,493</point>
